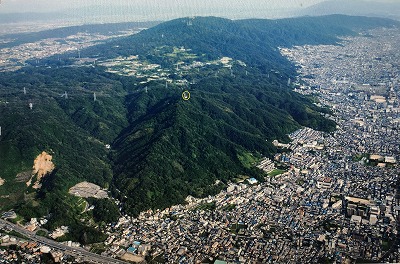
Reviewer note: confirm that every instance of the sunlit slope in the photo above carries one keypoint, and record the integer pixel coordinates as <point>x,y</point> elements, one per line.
<point>254,41</point>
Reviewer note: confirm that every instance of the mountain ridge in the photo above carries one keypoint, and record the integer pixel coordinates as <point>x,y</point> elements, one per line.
<point>263,108</point>
<point>163,148</point>
<point>354,8</point>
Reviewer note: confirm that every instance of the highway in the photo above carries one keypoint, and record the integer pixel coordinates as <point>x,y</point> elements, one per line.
<point>73,251</point>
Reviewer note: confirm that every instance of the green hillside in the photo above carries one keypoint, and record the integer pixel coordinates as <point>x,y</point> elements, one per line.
<point>163,148</point>
<point>188,145</point>
<point>74,131</point>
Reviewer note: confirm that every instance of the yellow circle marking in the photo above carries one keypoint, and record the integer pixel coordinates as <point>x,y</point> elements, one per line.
<point>186,95</point>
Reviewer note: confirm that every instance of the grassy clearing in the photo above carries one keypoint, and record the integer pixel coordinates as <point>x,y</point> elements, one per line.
<point>241,178</point>
<point>247,159</point>
<point>276,172</point>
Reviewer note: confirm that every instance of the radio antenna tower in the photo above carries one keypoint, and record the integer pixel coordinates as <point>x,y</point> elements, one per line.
<point>231,70</point>
<point>94,97</point>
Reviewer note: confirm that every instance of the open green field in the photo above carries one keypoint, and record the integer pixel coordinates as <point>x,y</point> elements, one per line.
<point>276,172</point>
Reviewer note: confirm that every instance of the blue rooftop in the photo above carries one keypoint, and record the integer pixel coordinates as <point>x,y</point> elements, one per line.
<point>136,243</point>
<point>131,249</point>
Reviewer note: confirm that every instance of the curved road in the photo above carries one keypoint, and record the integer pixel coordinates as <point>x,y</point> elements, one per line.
<point>77,252</point>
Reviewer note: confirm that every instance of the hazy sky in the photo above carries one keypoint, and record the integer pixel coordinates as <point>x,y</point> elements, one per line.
<point>52,5</point>
<point>162,9</point>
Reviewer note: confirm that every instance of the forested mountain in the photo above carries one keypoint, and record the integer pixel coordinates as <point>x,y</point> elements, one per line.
<point>163,148</point>
<point>73,131</point>
<point>187,146</point>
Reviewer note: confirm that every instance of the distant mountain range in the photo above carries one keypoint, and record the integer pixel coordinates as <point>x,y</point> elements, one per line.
<point>355,8</point>
<point>108,29</point>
